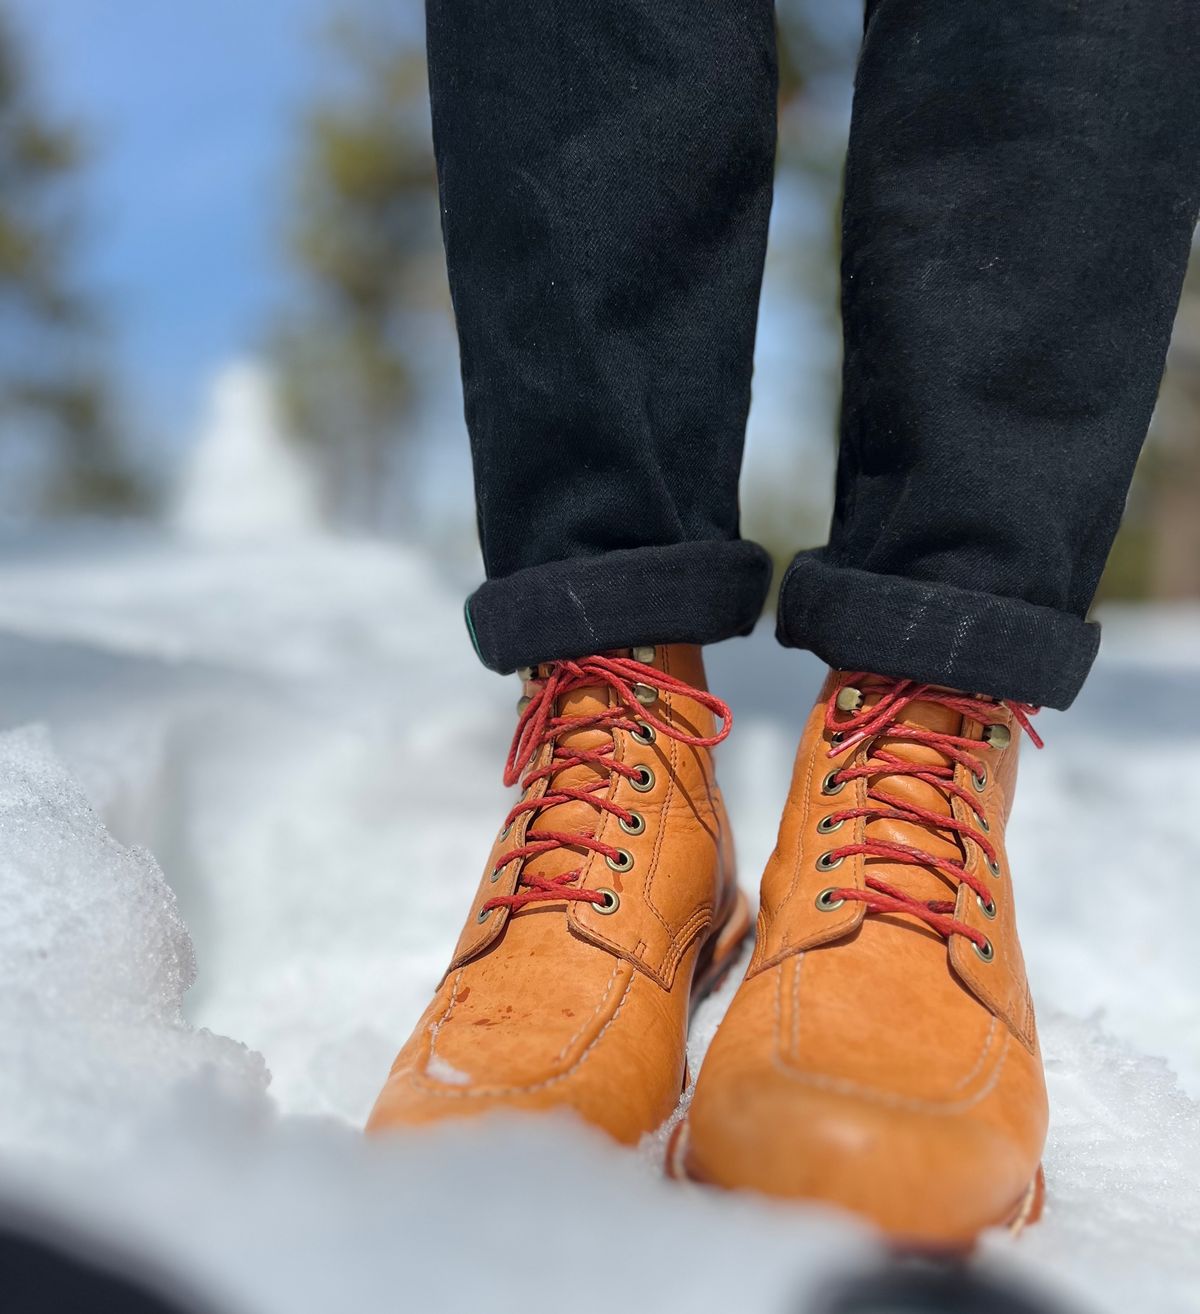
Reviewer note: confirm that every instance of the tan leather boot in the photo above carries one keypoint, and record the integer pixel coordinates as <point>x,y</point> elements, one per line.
<point>881,1054</point>
<point>607,903</point>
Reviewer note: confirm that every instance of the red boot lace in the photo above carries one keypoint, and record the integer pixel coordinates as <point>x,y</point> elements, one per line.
<point>883,720</point>
<point>540,725</point>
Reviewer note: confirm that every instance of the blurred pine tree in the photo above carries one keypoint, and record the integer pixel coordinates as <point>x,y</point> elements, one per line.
<point>365,242</point>
<point>55,395</point>
<point>1157,552</point>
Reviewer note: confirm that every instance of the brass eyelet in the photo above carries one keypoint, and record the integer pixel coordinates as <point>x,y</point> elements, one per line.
<point>986,951</point>
<point>645,693</point>
<point>497,872</point>
<point>827,862</point>
<point>987,907</point>
<point>827,825</point>
<point>645,653</point>
<point>837,737</point>
<point>634,826</point>
<point>484,914</point>
<point>622,862</point>
<point>505,830</point>
<point>984,824</point>
<point>849,699</point>
<point>993,867</point>
<point>643,781</point>
<point>980,781</point>
<point>612,901</point>
<point>644,734</point>
<point>831,786</point>
<point>997,735</point>
<point>827,904</point>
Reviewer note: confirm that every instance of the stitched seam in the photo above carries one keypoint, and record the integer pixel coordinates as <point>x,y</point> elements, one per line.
<point>566,1049</point>
<point>850,1087</point>
<point>677,941</point>
<point>799,854</point>
<point>871,1095</point>
<point>796,966</point>
<point>491,932</point>
<point>452,1092</point>
<point>982,1059</point>
<point>680,941</point>
<point>664,810</point>
<point>996,1004</point>
<point>435,1030</point>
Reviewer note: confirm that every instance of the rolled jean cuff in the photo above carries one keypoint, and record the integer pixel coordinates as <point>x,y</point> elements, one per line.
<point>684,593</point>
<point>935,633</point>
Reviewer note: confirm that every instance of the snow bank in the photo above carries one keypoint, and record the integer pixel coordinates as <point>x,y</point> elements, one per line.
<point>94,963</point>
<point>120,1116</point>
<point>301,736</point>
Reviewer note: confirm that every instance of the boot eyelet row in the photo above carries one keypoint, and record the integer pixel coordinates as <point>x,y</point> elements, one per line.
<point>634,826</point>
<point>622,862</point>
<point>612,901</point>
<point>985,951</point>
<point>643,781</point>
<point>827,862</point>
<point>827,825</point>
<point>987,907</point>
<point>644,734</point>
<point>826,902</point>
<point>832,786</point>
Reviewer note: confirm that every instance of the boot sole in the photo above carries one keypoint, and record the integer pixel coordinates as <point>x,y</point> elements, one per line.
<point>1026,1212</point>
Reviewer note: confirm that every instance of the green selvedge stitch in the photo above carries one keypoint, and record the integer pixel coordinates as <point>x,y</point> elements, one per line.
<point>471,630</point>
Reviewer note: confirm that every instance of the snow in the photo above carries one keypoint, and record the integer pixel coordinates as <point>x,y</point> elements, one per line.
<point>246,477</point>
<point>297,731</point>
<point>95,965</point>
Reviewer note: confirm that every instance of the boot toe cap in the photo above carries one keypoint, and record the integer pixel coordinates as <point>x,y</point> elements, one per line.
<point>930,1174</point>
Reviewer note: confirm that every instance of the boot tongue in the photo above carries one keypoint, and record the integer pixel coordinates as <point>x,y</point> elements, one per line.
<point>574,817</point>
<point>921,882</point>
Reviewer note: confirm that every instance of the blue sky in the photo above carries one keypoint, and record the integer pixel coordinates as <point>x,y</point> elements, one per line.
<point>192,109</point>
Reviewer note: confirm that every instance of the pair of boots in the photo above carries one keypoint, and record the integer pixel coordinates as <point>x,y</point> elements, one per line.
<point>881,1053</point>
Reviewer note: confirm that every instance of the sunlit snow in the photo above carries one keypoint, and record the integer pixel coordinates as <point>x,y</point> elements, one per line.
<point>273,768</point>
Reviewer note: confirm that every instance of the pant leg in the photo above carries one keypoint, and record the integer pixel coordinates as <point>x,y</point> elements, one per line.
<point>1021,191</point>
<point>606,173</point>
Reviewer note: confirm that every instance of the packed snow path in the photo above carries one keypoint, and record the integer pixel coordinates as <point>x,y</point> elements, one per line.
<point>276,769</point>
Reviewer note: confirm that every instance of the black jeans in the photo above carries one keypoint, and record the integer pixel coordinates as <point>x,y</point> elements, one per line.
<point>1021,190</point>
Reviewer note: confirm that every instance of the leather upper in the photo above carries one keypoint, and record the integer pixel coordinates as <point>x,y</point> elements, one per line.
<point>866,1061</point>
<point>559,1004</point>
